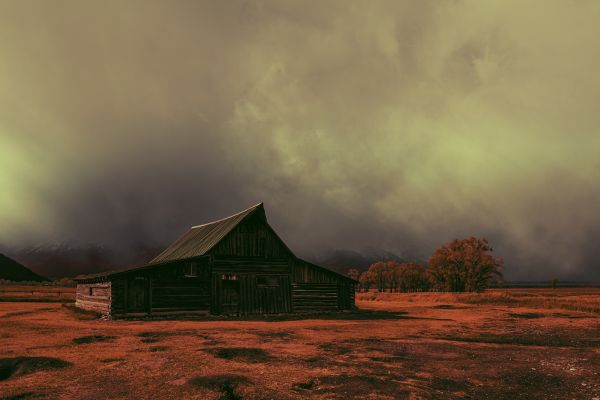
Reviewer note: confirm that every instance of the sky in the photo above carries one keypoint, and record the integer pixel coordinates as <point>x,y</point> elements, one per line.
<point>396,125</point>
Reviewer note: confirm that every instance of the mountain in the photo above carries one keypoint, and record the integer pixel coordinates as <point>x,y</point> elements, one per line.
<point>11,270</point>
<point>58,260</point>
<point>66,259</point>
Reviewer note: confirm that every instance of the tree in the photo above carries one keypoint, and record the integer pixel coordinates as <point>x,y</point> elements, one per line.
<point>412,277</point>
<point>464,265</point>
<point>353,273</point>
<point>365,281</point>
<point>390,275</point>
<point>377,274</point>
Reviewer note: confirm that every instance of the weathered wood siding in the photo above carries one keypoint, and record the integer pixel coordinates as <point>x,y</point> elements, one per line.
<point>251,271</point>
<point>173,289</point>
<point>314,297</point>
<point>346,295</point>
<point>263,285</point>
<point>252,238</point>
<point>94,297</point>
<point>119,296</point>
<point>315,289</point>
<point>164,289</point>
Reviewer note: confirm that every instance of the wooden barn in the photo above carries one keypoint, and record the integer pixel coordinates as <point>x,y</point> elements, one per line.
<point>237,265</point>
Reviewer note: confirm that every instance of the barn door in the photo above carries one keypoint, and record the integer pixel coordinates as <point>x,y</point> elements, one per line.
<point>136,295</point>
<point>230,294</point>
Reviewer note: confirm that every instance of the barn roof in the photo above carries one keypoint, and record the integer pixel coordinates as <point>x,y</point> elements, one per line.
<point>200,239</point>
<point>101,276</point>
<point>197,242</point>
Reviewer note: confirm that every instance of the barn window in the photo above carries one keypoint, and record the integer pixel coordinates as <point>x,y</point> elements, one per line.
<point>191,270</point>
<point>91,291</point>
<point>265,280</point>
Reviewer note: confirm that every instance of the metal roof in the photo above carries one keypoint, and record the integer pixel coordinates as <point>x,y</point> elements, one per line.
<point>200,239</point>
<point>197,242</point>
<point>102,276</point>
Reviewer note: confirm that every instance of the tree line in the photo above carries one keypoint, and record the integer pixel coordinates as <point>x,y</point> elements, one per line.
<point>463,265</point>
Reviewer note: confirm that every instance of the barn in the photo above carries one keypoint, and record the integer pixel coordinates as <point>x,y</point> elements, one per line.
<point>233,266</point>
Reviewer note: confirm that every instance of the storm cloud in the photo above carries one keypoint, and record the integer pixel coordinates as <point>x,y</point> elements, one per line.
<point>394,125</point>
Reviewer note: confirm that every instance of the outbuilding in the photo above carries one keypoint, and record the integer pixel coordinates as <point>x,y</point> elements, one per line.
<point>233,266</point>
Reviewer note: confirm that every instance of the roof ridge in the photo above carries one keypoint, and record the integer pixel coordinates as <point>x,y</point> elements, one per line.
<point>202,238</point>
<point>231,216</point>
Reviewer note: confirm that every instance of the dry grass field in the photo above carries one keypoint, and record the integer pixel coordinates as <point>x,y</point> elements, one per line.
<point>36,293</point>
<point>503,344</point>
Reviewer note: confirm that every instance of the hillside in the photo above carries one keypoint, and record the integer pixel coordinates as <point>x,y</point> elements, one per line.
<point>57,260</point>
<point>11,270</point>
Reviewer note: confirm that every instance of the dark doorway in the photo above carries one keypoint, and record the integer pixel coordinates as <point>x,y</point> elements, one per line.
<point>345,296</point>
<point>230,303</point>
<point>136,295</point>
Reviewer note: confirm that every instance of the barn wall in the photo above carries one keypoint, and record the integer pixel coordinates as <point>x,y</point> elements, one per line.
<point>94,297</point>
<point>118,296</point>
<point>314,297</point>
<point>263,285</point>
<point>252,238</point>
<point>164,289</point>
<point>315,289</point>
<point>173,289</point>
<point>258,263</point>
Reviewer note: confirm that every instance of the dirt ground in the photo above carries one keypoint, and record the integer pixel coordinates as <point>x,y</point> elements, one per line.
<point>502,345</point>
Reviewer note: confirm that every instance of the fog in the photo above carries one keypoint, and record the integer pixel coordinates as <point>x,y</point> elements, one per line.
<point>391,125</point>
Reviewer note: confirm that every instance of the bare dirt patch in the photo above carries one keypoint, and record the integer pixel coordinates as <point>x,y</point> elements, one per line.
<point>111,360</point>
<point>243,354</point>
<point>226,384</point>
<point>527,315</point>
<point>18,366</point>
<point>155,349</point>
<point>354,386</point>
<point>93,339</point>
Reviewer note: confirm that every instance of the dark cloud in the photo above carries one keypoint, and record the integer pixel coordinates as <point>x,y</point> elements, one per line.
<point>389,125</point>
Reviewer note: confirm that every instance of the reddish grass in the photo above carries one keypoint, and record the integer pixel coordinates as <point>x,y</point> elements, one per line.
<point>36,293</point>
<point>570,299</point>
<point>410,346</point>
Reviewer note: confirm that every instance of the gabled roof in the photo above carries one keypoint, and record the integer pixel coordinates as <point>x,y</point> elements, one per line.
<point>197,242</point>
<point>200,239</point>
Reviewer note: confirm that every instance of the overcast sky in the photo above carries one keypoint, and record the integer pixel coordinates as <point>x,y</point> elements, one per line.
<point>395,125</point>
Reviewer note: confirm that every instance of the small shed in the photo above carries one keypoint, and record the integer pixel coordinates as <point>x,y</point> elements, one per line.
<point>233,266</point>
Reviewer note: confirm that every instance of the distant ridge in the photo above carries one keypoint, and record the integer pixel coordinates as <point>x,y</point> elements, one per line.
<point>11,270</point>
<point>546,284</point>
<point>341,260</point>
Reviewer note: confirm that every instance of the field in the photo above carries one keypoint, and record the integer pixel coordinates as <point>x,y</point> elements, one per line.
<point>36,293</point>
<point>503,344</point>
